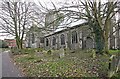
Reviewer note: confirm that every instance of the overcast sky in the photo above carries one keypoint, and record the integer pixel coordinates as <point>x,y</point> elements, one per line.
<point>44,3</point>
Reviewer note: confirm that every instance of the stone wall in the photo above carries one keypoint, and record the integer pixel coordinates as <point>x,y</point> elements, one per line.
<point>84,39</point>
<point>82,42</point>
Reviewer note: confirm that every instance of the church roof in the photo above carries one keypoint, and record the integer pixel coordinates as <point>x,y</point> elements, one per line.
<point>66,29</point>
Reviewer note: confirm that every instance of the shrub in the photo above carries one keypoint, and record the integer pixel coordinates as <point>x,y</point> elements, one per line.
<point>15,51</point>
<point>49,52</point>
<point>39,49</point>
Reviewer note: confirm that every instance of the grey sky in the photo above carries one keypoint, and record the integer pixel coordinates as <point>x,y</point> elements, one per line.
<point>46,3</point>
<point>43,2</point>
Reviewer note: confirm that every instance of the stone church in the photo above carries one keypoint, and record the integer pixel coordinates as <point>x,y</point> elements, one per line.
<point>73,37</point>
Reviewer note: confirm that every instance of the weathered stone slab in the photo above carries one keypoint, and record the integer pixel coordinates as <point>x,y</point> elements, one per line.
<point>61,53</point>
<point>114,65</point>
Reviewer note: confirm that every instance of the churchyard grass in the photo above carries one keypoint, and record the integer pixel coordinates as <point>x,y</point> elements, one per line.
<point>114,51</point>
<point>77,64</point>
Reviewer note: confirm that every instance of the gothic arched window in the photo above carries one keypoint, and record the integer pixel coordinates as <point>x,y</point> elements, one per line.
<point>74,37</point>
<point>62,37</point>
<point>54,41</point>
<point>33,38</point>
<point>47,42</point>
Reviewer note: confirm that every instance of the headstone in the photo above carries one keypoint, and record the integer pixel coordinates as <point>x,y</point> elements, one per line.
<point>118,62</point>
<point>34,45</point>
<point>118,66</point>
<point>113,65</point>
<point>61,53</point>
<point>89,43</point>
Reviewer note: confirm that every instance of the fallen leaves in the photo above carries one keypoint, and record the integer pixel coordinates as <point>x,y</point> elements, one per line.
<point>72,65</point>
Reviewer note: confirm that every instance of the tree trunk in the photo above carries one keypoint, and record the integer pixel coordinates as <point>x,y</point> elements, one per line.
<point>106,48</point>
<point>99,39</point>
<point>19,43</point>
<point>99,42</point>
<point>106,35</point>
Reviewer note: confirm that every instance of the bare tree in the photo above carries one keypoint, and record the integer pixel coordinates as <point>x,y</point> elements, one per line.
<point>52,18</point>
<point>99,16</point>
<point>14,18</point>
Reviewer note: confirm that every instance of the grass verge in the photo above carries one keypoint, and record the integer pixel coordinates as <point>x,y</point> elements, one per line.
<point>78,64</point>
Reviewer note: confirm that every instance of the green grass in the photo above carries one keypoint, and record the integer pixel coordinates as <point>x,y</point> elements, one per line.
<point>25,50</point>
<point>114,51</point>
<point>4,49</point>
<point>79,64</point>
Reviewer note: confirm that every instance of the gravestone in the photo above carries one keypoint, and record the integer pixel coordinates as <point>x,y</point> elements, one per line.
<point>61,53</point>
<point>118,62</point>
<point>111,66</point>
<point>34,45</point>
<point>89,43</point>
<point>118,66</point>
<point>114,65</point>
